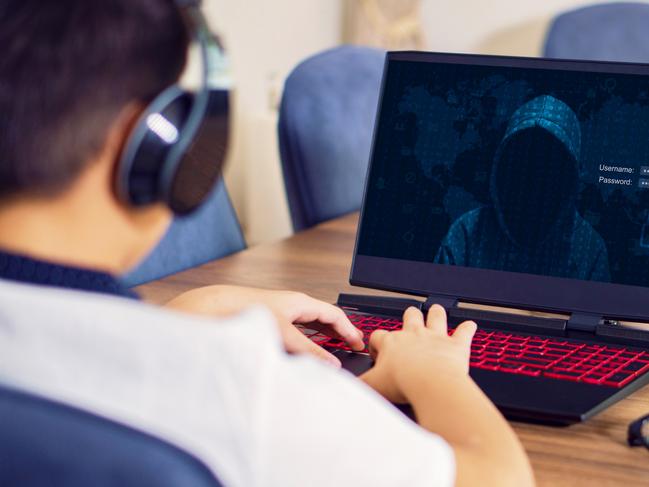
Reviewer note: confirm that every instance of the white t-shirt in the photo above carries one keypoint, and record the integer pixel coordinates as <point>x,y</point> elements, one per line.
<point>223,390</point>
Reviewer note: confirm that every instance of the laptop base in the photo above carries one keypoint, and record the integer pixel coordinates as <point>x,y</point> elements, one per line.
<point>528,399</point>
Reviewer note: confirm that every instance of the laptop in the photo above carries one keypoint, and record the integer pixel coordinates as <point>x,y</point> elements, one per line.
<point>515,193</point>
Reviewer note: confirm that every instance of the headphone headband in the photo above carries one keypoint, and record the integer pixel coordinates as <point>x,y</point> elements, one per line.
<point>188,3</point>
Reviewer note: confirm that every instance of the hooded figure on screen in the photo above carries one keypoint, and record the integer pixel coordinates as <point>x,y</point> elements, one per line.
<point>532,224</point>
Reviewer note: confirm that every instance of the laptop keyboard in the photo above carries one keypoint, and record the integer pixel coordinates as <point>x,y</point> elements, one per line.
<point>528,355</point>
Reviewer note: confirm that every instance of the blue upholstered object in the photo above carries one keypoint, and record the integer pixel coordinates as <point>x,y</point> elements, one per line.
<point>211,232</point>
<point>46,444</point>
<point>325,129</point>
<point>604,32</point>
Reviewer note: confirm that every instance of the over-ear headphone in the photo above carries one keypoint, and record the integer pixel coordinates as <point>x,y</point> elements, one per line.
<point>176,149</point>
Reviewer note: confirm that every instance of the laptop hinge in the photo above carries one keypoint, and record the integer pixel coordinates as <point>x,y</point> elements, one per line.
<point>448,302</point>
<point>376,304</point>
<point>583,322</point>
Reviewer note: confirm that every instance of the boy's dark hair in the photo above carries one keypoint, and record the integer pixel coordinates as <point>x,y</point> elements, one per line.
<point>67,68</point>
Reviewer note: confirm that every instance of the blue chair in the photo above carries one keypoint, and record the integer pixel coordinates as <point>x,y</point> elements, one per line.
<point>211,232</point>
<point>47,444</point>
<point>604,32</point>
<point>325,129</point>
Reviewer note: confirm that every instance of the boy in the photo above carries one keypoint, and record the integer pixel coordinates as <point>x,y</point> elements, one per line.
<point>74,77</point>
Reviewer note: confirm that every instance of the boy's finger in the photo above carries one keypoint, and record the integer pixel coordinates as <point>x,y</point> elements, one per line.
<point>296,342</point>
<point>376,341</point>
<point>464,332</point>
<point>413,319</point>
<point>436,319</point>
<point>334,318</point>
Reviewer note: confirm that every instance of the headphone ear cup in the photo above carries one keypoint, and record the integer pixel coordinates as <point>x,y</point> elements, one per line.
<point>148,151</point>
<point>201,154</point>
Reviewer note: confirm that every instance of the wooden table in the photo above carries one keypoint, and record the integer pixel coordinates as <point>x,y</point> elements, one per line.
<point>317,261</point>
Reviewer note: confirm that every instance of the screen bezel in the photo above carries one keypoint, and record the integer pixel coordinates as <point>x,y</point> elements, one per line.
<point>486,286</point>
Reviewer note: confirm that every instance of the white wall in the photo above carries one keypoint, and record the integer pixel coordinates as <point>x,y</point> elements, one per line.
<point>497,26</point>
<point>265,39</point>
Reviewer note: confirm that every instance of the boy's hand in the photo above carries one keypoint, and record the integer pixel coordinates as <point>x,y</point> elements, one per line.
<point>287,306</point>
<point>419,349</point>
<point>425,367</point>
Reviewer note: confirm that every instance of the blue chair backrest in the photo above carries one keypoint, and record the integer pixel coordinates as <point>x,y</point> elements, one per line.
<point>47,444</point>
<point>211,232</point>
<point>604,32</point>
<point>325,129</point>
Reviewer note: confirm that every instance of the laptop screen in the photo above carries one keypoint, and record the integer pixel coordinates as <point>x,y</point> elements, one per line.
<point>526,170</point>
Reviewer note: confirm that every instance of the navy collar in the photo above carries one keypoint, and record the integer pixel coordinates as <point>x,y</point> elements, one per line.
<point>28,270</point>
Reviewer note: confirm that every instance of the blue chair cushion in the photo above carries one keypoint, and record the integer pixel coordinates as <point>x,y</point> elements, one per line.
<point>210,233</point>
<point>325,130</point>
<point>604,32</point>
<point>47,444</point>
